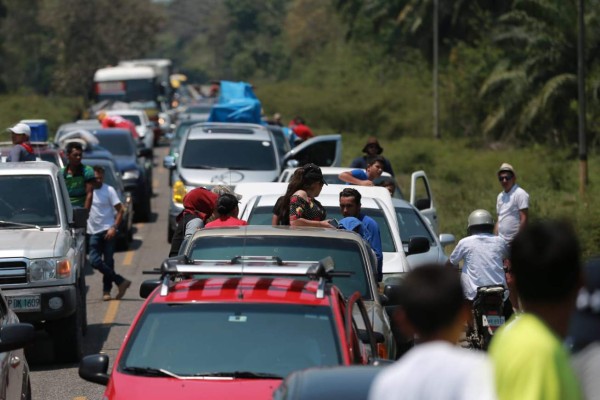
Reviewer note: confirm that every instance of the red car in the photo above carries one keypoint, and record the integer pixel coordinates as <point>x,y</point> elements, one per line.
<point>231,330</point>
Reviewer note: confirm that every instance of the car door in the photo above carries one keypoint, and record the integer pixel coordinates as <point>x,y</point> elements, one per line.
<point>11,362</point>
<point>325,151</point>
<point>360,349</point>
<point>421,197</point>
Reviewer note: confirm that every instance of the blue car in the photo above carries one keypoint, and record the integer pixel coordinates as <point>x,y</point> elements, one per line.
<point>134,164</point>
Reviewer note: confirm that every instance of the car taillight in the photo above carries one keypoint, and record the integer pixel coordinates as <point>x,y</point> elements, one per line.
<point>382,351</point>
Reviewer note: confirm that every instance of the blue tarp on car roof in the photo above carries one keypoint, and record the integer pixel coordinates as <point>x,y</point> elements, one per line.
<point>237,103</point>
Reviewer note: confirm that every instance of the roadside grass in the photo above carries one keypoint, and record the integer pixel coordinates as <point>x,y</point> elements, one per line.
<point>56,110</point>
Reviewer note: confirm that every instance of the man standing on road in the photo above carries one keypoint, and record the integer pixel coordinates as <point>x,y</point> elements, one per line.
<point>78,177</point>
<point>102,227</point>
<point>22,150</point>
<point>364,177</point>
<point>512,204</point>
<point>350,207</point>
<point>528,355</point>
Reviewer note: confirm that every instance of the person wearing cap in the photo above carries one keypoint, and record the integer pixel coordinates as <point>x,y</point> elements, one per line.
<point>584,331</point>
<point>512,204</point>
<point>299,205</point>
<point>350,208</point>
<point>364,177</point>
<point>530,361</point>
<point>22,150</point>
<point>227,209</point>
<point>372,149</point>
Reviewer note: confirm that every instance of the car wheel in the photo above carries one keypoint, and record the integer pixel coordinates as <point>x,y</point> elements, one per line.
<point>67,335</point>
<point>122,243</point>
<point>170,233</point>
<point>26,390</point>
<point>83,292</point>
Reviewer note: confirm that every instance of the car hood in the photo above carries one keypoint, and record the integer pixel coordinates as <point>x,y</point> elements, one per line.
<point>126,387</point>
<point>198,177</point>
<point>394,263</point>
<point>31,243</point>
<point>126,163</point>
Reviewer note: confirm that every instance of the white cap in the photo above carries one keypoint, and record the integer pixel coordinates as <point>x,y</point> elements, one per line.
<point>20,129</point>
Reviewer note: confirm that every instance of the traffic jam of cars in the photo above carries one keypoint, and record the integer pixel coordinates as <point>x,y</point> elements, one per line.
<point>246,311</point>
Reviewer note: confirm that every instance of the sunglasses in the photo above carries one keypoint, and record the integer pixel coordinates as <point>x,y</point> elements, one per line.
<point>505,178</point>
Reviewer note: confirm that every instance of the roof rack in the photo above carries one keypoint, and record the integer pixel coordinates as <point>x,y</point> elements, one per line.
<point>321,270</point>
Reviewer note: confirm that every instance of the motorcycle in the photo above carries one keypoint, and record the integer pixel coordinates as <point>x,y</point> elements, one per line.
<point>488,315</point>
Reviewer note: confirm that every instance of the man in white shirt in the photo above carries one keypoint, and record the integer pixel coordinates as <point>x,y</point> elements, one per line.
<point>102,229</point>
<point>433,307</point>
<point>512,204</point>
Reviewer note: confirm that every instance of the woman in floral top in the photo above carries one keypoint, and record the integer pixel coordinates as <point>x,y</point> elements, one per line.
<point>299,203</point>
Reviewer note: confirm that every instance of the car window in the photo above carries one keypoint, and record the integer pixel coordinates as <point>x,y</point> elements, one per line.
<point>50,157</point>
<point>411,224</point>
<point>28,199</point>
<point>133,118</point>
<point>119,145</point>
<point>250,155</point>
<point>318,153</point>
<point>346,254</point>
<point>196,339</point>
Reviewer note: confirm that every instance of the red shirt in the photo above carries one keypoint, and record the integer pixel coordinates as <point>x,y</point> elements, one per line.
<point>114,121</point>
<point>226,221</point>
<point>302,131</point>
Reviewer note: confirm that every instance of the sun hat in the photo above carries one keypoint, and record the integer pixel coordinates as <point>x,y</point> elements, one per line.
<point>20,129</point>
<point>506,167</point>
<point>222,189</point>
<point>373,140</point>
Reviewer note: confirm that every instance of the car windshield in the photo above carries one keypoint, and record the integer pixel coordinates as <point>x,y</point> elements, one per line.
<point>133,118</point>
<point>203,339</point>
<point>27,199</point>
<point>346,254</point>
<point>249,155</point>
<point>119,145</point>
<point>262,216</point>
<point>411,224</point>
<point>198,110</point>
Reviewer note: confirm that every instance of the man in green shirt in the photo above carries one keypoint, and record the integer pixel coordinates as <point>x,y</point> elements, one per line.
<point>529,359</point>
<point>78,177</point>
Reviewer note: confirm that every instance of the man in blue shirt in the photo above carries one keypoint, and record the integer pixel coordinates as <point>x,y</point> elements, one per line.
<point>364,177</point>
<point>350,207</point>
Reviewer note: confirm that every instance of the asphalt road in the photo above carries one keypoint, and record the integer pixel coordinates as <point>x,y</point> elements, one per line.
<point>108,321</point>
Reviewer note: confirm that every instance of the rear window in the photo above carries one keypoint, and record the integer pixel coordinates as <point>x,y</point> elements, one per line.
<point>133,118</point>
<point>28,199</point>
<point>119,145</point>
<point>346,254</point>
<point>250,155</point>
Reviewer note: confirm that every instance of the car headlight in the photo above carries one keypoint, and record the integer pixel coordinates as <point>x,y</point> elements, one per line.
<point>179,192</point>
<point>131,174</point>
<point>49,268</point>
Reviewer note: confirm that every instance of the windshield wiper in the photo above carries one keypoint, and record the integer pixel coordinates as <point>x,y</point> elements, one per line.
<point>147,371</point>
<point>21,224</point>
<point>239,374</point>
<point>201,166</point>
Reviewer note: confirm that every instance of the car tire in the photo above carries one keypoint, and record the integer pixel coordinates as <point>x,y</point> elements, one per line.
<point>26,395</point>
<point>83,293</point>
<point>67,335</point>
<point>170,233</point>
<point>122,243</point>
<point>145,210</point>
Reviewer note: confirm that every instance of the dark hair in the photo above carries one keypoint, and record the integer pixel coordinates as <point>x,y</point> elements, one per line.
<point>545,261</point>
<point>73,146</point>
<point>432,298</point>
<point>351,192</point>
<point>226,204</point>
<point>301,179</point>
<point>374,159</point>
<point>98,168</point>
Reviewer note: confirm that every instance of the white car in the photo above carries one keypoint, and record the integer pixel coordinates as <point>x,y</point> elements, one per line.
<point>143,125</point>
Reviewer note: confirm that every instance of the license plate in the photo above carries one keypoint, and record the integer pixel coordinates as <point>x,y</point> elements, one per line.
<point>24,303</point>
<point>493,320</point>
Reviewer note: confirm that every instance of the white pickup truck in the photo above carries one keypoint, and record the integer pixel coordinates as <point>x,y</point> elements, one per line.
<point>42,253</point>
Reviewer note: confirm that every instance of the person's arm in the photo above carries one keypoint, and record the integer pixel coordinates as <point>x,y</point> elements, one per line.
<point>192,226</point>
<point>275,220</point>
<point>348,177</point>
<point>307,222</point>
<point>89,195</point>
<point>15,153</point>
<point>296,212</point>
<point>112,231</point>
<point>523,216</point>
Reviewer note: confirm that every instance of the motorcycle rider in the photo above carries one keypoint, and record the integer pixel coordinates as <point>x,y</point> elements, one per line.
<point>482,254</point>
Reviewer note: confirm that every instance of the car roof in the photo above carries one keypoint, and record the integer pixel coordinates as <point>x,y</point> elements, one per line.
<point>211,130</point>
<point>28,168</point>
<point>255,289</point>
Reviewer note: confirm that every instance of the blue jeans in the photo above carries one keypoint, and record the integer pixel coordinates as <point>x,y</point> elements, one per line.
<point>101,248</point>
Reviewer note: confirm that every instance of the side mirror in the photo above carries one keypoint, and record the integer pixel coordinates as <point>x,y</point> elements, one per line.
<point>417,245</point>
<point>80,217</point>
<point>148,287</point>
<point>16,336</point>
<point>392,295</point>
<point>169,162</point>
<point>94,368</point>
<point>292,163</point>
<point>447,239</point>
<point>423,204</point>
